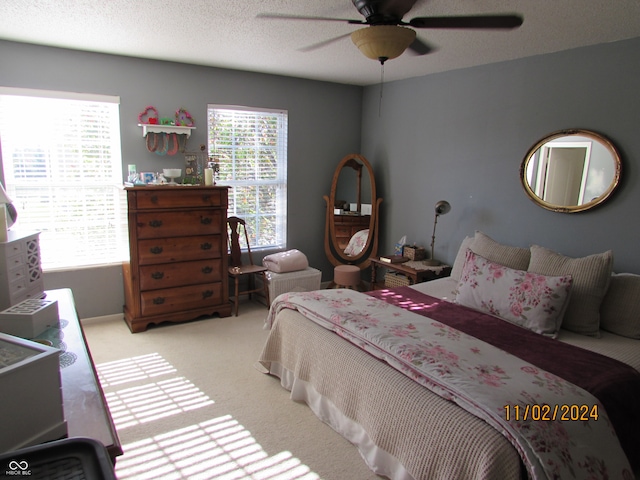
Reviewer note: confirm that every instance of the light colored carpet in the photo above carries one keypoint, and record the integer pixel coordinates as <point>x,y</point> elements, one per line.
<point>188,403</point>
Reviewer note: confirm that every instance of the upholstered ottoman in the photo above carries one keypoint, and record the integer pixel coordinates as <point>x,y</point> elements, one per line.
<point>299,281</point>
<point>347,276</point>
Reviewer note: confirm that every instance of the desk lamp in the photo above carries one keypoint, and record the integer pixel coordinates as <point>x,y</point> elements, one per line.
<point>442,207</point>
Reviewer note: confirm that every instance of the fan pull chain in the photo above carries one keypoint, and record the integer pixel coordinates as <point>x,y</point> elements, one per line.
<point>381,87</point>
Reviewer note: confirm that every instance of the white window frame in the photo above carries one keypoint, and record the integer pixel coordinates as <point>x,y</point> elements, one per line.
<point>230,175</point>
<point>74,195</point>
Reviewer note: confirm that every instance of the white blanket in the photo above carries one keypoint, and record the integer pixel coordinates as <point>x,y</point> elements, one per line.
<point>289,261</point>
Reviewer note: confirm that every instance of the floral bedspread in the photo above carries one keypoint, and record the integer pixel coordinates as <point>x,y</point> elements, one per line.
<point>518,399</point>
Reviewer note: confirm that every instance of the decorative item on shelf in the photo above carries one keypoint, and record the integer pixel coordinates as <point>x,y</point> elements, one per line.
<point>165,135</point>
<point>211,172</point>
<point>184,118</point>
<point>195,163</point>
<point>442,207</point>
<point>148,116</point>
<point>216,172</point>
<point>173,137</point>
<point>169,144</point>
<point>172,174</point>
<point>29,318</point>
<point>414,253</point>
<point>190,168</point>
<point>132,173</point>
<point>147,178</point>
<point>5,201</point>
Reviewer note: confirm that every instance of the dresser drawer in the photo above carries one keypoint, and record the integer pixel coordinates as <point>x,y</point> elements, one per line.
<point>343,231</point>
<point>178,223</point>
<point>18,285</point>
<point>178,299</point>
<point>14,250</point>
<point>180,197</point>
<point>167,250</point>
<point>18,272</point>
<point>166,275</point>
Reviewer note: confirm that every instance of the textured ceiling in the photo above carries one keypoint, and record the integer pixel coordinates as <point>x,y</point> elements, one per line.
<point>229,34</point>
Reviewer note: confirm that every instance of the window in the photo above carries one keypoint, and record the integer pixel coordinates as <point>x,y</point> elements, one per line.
<point>63,172</point>
<point>251,147</point>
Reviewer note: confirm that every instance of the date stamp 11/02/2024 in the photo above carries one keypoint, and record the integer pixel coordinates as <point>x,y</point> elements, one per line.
<point>550,413</point>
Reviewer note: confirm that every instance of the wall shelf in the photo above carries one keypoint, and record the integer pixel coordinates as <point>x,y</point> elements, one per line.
<point>149,128</point>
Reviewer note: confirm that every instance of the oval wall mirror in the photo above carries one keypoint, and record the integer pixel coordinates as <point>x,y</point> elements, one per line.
<point>351,224</point>
<point>571,171</point>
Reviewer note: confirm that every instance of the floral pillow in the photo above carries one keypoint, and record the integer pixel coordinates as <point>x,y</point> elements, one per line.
<point>357,243</point>
<point>530,300</point>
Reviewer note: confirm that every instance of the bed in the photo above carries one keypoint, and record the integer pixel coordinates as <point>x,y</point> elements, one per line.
<point>410,425</point>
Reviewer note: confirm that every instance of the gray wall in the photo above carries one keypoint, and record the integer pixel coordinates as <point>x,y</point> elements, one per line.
<point>324,125</point>
<point>461,136</point>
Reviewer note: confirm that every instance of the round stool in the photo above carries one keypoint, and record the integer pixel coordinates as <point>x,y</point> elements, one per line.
<point>346,276</point>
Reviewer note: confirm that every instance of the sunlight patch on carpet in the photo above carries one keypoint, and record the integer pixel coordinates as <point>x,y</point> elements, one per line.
<point>133,369</point>
<point>219,448</point>
<point>153,401</point>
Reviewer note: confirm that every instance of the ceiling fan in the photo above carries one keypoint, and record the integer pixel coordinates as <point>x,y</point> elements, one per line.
<point>387,36</point>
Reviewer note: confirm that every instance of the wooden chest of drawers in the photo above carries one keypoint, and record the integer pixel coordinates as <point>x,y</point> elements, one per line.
<point>20,271</point>
<point>178,255</point>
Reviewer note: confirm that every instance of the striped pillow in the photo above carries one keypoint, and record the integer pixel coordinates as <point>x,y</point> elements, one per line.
<point>591,276</point>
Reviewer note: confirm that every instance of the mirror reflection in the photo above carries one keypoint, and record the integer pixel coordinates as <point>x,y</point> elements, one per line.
<point>351,235</point>
<point>571,171</point>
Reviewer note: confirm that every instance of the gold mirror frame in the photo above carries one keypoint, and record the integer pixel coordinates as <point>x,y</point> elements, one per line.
<point>332,249</point>
<point>570,135</point>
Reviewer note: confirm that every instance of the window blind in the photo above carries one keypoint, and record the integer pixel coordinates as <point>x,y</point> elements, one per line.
<point>250,144</point>
<point>63,172</point>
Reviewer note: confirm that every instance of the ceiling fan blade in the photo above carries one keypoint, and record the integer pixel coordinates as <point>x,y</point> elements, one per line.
<point>419,47</point>
<point>470,21</point>
<point>282,16</point>
<point>324,43</point>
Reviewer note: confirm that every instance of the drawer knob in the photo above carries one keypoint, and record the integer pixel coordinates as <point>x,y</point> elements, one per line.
<point>207,294</point>
<point>206,246</point>
<point>158,300</point>
<point>206,220</point>
<point>156,250</point>
<point>155,223</point>
<point>207,269</point>
<point>154,199</point>
<point>157,275</point>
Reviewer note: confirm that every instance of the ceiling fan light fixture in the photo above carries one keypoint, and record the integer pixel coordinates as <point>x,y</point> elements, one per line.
<point>383,42</point>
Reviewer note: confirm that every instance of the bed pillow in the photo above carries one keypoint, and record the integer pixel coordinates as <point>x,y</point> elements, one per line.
<point>533,301</point>
<point>357,243</point>
<point>620,309</point>
<point>591,276</point>
<point>482,244</point>
<point>507,255</point>
<point>458,263</point>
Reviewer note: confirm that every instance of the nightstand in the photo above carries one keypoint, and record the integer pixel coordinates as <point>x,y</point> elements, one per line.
<point>415,271</point>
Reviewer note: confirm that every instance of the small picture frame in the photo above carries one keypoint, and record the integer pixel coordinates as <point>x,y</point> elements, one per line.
<point>193,171</point>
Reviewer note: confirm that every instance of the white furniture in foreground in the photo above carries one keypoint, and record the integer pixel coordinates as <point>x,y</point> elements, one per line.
<point>300,281</point>
<point>20,271</point>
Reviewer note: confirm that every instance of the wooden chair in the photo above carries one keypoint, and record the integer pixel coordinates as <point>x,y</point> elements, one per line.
<point>237,270</point>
